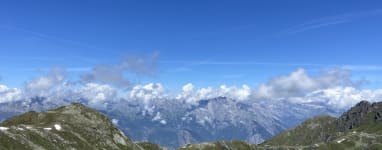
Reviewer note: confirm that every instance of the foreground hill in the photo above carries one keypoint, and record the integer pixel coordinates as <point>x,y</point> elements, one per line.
<point>69,127</point>
<point>358,128</point>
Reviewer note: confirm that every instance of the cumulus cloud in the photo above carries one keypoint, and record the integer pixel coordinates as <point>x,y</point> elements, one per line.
<point>340,97</point>
<point>333,87</point>
<point>40,86</point>
<point>97,94</point>
<point>147,92</point>
<point>115,74</point>
<point>299,83</point>
<point>192,96</point>
<point>242,93</point>
<point>98,86</point>
<point>9,94</point>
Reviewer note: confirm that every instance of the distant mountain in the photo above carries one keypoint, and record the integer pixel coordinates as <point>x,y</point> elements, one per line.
<point>69,127</point>
<point>358,128</point>
<point>174,123</point>
<point>214,119</point>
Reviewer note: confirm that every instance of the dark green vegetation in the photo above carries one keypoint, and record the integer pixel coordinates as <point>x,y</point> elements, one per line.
<point>316,130</point>
<point>69,127</point>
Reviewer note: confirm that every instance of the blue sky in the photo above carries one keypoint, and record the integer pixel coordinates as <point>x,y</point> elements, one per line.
<point>207,43</point>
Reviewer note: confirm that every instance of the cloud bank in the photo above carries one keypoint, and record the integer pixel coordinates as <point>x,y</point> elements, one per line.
<point>9,94</point>
<point>332,87</point>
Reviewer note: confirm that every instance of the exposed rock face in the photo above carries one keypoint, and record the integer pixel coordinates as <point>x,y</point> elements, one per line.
<point>356,115</point>
<point>377,109</point>
<point>70,127</point>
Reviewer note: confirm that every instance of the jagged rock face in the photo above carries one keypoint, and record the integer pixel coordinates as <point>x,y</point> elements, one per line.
<point>68,127</point>
<point>377,109</point>
<point>356,115</point>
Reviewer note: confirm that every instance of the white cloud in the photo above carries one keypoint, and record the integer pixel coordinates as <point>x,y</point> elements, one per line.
<point>147,92</point>
<point>42,85</point>
<point>333,87</point>
<point>163,122</point>
<point>190,95</point>
<point>157,117</point>
<point>299,83</point>
<point>97,93</point>
<point>9,94</point>
<point>242,93</point>
<point>187,93</point>
<point>188,87</point>
<point>341,97</point>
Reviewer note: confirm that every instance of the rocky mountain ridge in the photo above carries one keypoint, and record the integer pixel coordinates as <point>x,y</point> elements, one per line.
<point>68,127</point>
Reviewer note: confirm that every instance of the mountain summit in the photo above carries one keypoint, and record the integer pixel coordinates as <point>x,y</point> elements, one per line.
<point>69,127</point>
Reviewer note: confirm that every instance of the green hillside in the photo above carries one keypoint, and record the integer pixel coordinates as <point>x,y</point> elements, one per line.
<point>68,127</point>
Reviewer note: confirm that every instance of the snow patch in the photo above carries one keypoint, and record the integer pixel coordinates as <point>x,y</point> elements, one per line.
<point>3,128</point>
<point>57,127</point>
<point>48,129</point>
<point>20,129</point>
<point>115,121</point>
<point>340,141</point>
<point>163,122</point>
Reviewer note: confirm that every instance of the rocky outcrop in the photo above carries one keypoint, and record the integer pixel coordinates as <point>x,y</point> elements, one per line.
<point>357,114</point>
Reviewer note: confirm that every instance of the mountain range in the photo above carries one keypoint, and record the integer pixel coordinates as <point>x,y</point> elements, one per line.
<point>173,123</point>
<point>76,126</point>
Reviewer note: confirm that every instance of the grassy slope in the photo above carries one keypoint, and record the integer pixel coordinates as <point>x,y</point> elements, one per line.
<point>310,132</point>
<point>82,128</point>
